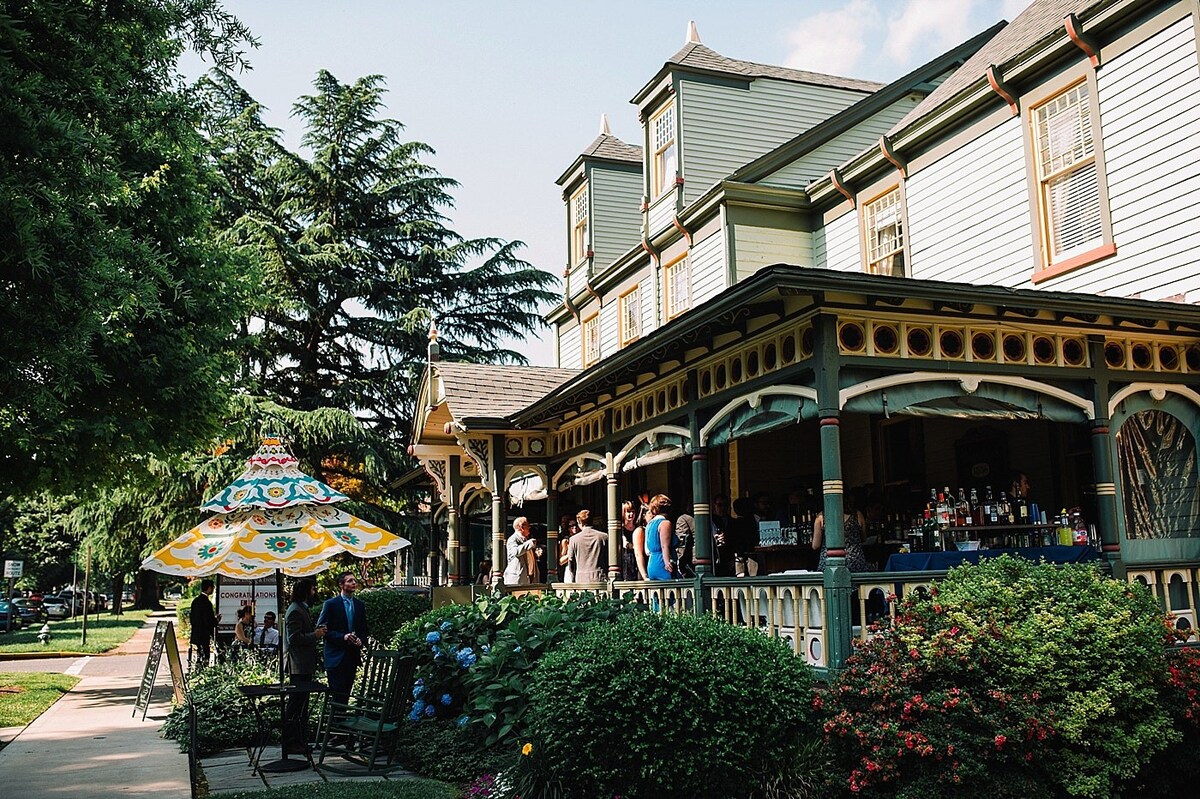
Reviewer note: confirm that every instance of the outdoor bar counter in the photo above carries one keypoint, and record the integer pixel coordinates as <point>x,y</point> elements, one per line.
<point>940,561</point>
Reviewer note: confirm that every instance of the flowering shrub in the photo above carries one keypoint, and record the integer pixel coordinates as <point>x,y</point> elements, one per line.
<point>1010,679</point>
<point>224,717</point>
<point>662,706</point>
<point>1170,774</point>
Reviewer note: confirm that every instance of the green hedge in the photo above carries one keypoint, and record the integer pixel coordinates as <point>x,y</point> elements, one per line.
<point>388,610</point>
<point>663,706</point>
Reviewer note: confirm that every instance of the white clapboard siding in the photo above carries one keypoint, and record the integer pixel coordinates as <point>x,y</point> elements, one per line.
<point>756,247</point>
<point>725,127</point>
<point>968,213</point>
<point>577,279</point>
<point>841,148</point>
<point>836,246</point>
<point>1150,123</point>
<point>662,211</point>
<point>616,212</point>
<point>570,352</point>
<point>610,334</point>
<point>709,273</point>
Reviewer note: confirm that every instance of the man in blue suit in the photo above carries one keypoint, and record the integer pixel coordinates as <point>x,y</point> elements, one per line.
<point>345,616</point>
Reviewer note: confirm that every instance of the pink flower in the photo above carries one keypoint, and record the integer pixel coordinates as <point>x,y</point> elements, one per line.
<point>1000,739</point>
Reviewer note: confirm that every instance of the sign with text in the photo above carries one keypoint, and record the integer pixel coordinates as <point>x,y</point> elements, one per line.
<point>164,640</point>
<point>14,568</point>
<point>262,595</point>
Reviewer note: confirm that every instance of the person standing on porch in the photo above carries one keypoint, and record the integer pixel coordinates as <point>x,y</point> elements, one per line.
<point>661,541</point>
<point>300,654</point>
<point>856,559</point>
<point>631,519</point>
<point>588,550</point>
<point>345,616</point>
<point>566,529</point>
<point>516,569</point>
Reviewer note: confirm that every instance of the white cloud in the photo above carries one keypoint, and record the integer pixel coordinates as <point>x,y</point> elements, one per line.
<point>925,26</point>
<point>834,41</point>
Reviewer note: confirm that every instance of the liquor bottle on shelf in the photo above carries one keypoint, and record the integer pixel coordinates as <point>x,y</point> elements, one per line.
<point>993,512</point>
<point>943,508</point>
<point>1006,510</point>
<point>1081,530</point>
<point>962,513</point>
<point>977,514</point>
<point>1022,508</point>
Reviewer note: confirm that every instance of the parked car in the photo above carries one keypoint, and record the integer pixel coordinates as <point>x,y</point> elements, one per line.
<point>10,617</point>
<point>32,611</point>
<point>56,607</point>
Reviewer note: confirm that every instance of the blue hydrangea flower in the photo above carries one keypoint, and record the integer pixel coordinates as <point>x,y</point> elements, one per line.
<point>446,625</point>
<point>463,721</point>
<point>446,700</point>
<point>419,708</point>
<point>418,691</point>
<point>433,637</point>
<point>487,650</point>
<point>430,711</point>
<point>516,649</point>
<point>467,658</point>
<point>414,715</point>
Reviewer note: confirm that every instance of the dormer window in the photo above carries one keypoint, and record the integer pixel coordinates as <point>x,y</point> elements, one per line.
<point>679,286</point>
<point>662,144</point>
<point>631,315</point>
<point>883,227</point>
<point>579,226</point>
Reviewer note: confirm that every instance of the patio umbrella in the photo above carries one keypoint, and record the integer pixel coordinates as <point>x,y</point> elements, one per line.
<point>272,517</point>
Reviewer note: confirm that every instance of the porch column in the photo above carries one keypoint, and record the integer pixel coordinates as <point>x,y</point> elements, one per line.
<point>613,517</point>
<point>701,511</point>
<point>1108,521</point>
<point>838,631</point>
<point>499,529</point>
<point>453,498</point>
<point>551,532</point>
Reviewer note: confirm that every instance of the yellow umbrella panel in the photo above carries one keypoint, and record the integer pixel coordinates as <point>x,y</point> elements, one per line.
<point>256,542</point>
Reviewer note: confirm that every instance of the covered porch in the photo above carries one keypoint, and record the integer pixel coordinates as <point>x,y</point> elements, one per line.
<point>799,385</point>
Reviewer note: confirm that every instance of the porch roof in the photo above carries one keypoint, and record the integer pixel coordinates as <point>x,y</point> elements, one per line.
<point>487,395</point>
<point>836,290</point>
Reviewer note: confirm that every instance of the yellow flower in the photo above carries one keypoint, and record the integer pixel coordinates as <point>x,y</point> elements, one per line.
<point>526,749</point>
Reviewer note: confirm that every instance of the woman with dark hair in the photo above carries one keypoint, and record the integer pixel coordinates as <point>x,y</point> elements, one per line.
<point>854,526</point>
<point>567,527</point>
<point>631,520</point>
<point>660,541</point>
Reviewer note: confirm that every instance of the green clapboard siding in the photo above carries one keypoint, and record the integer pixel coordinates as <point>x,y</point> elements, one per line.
<point>724,127</point>
<point>616,213</point>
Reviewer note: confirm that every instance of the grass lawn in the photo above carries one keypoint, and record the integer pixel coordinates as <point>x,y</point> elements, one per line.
<point>104,632</point>
<point>25,696</point>
<point>415,788</point>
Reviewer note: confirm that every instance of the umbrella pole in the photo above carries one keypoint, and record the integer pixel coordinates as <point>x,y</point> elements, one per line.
<point>280,608</point>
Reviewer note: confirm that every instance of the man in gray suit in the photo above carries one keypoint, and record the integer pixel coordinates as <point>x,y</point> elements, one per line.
<point>588,550</point>
<point>300,651</point>
<point>516,570</point>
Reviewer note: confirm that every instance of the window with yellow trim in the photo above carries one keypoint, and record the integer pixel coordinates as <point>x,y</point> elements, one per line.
<point>883,226</point>
<point>591,340</point>
<point>579,225</point>
<point>679,287</point>
<point>662,144</point>
<point>1064,140</point>
<point>631,315</point>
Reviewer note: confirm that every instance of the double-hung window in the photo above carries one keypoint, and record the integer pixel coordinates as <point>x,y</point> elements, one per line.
<point>679,287</point>
<point>579,226</point>
<point>591,340</point>
<point>1068,175</point>
<point>883,225</point>
<point>631,315</point>
<point>662,144</point>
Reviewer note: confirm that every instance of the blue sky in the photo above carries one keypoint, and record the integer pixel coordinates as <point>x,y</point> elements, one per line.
<point>508,92</point>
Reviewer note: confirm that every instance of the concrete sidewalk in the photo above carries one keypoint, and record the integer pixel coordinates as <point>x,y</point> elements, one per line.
<point>89,744</point>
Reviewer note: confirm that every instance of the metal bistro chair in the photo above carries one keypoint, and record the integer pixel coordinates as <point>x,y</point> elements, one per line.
<point>365,729</point>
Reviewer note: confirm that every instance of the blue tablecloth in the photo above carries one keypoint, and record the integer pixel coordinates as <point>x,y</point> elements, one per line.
<point>939,561</point>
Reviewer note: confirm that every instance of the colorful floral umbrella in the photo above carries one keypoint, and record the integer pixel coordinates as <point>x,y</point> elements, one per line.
<point>273,517</point>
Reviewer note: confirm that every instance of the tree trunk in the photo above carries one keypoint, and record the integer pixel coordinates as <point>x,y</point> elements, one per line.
<point>147,591</point>
<point>115,590</point>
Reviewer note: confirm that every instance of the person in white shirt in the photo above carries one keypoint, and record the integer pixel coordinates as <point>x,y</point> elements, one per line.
<point>516,569</point>
<point>267,636</point>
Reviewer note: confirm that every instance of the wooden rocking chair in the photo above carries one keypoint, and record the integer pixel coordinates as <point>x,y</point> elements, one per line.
<point>364,730</point>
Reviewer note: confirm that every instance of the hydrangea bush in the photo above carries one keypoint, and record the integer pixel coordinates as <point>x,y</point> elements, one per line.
<point>1010,679</point>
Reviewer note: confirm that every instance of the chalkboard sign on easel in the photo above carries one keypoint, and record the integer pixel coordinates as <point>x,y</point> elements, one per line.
<point>164,639</point>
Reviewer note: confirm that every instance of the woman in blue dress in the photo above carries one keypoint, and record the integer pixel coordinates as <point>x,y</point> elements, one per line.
<point>660,539</point>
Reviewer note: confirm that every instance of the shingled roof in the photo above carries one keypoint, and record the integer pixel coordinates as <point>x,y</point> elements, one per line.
<point>696,56</point>
<point>1041,20</point>
<point>496,391</point>
<point>610,148</point>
